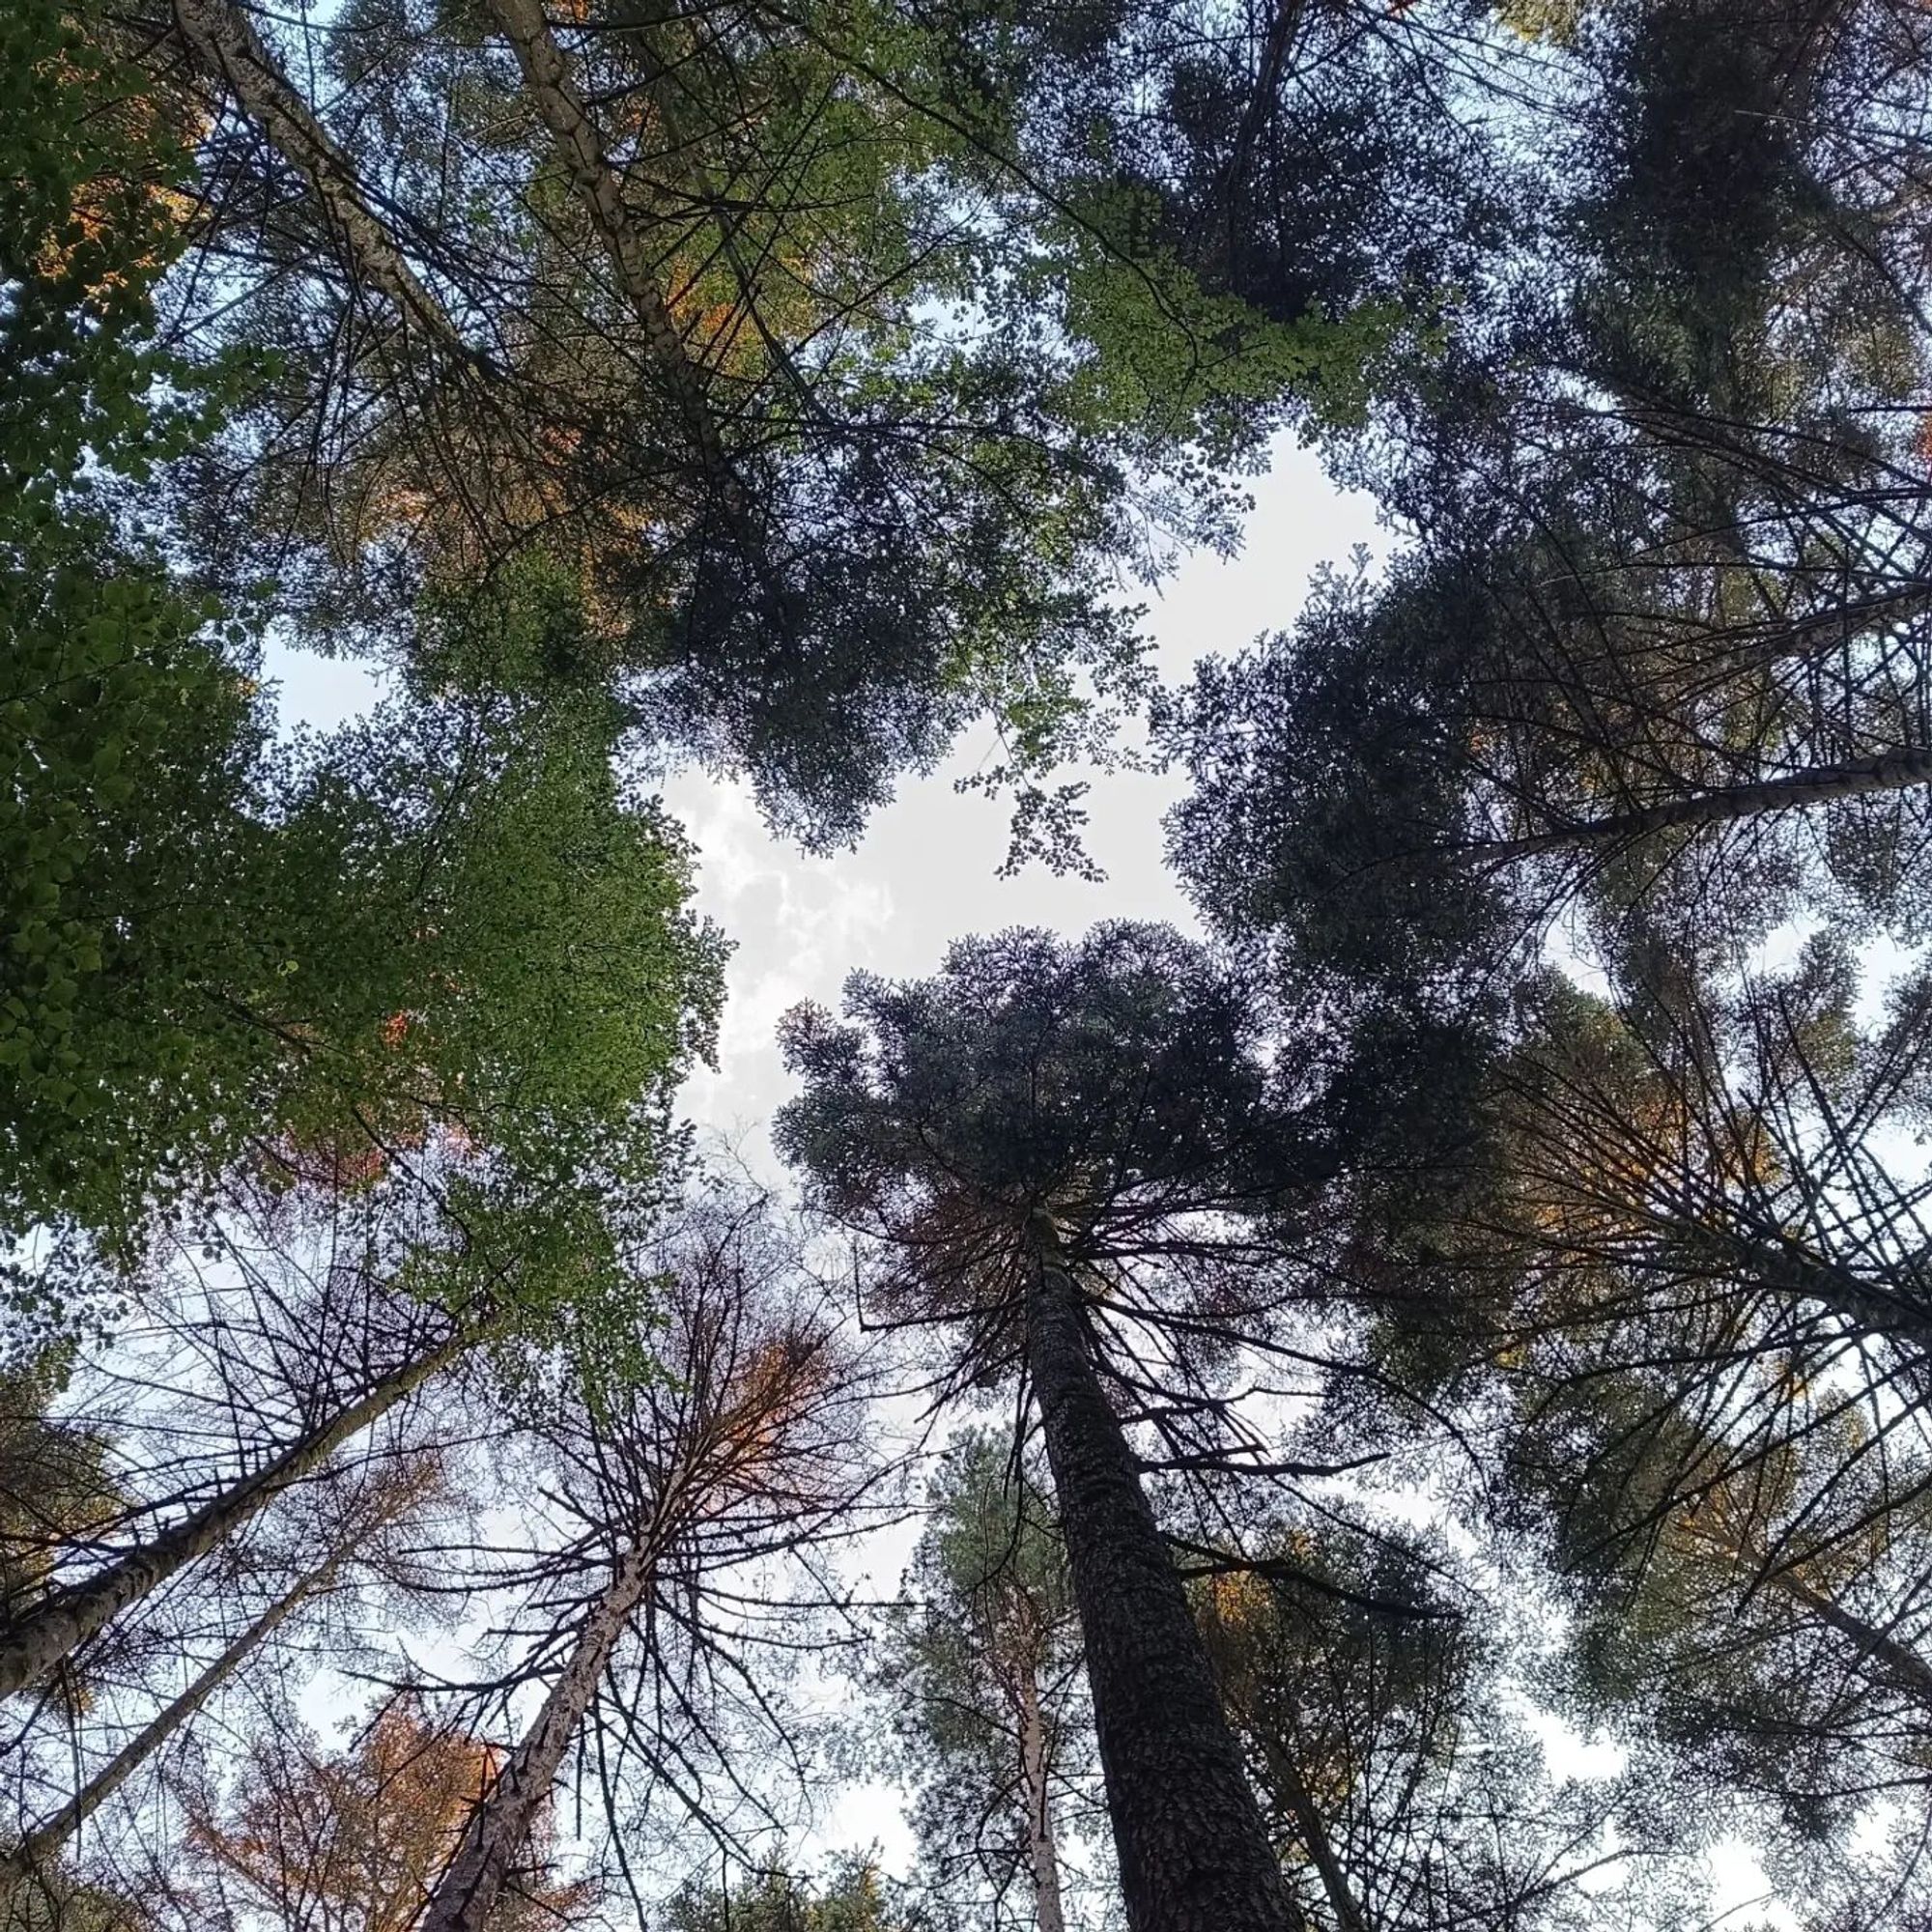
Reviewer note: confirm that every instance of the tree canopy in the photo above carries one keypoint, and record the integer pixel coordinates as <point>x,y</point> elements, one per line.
<point>1401,1408</point>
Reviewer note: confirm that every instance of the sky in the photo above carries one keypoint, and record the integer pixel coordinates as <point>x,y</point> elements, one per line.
<point>927,870</point>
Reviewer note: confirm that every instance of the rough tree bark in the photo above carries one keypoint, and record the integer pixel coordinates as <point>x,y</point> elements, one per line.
<point>1194,1851</point>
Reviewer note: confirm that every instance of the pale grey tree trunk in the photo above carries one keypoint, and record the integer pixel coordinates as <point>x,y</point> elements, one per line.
<point>499,1827</point>
<point>41,1847</point>
<point>1312,1828</point>
<point>579,146</point>
<point>227,48</point>
<point>1722,805</point>
<point>34,1645</point>
<point>1043,1854</point>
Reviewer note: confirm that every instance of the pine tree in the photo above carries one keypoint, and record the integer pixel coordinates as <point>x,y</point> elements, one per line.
<point>850,1897</point>
<point>742,1449</point>
<point>1024,1141</point>
<point>981,1668</point>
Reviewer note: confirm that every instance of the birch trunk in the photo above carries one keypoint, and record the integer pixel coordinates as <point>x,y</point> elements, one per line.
<point>223,44</point>
<point>1042,1856</point>
<point>579,146</point>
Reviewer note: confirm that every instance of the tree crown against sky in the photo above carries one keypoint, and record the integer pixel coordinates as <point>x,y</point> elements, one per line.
<point>852,1895</point>
<point>1107,1100</point>
<point>1117,1073</point>
<point>843,357</point>
<point>793,388</point>
<point>1661,633</point>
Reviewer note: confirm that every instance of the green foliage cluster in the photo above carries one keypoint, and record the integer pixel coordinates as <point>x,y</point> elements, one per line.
<point>940,380</point>
<point>990,1632</point>
<point>447,920</point>
<point>852,1896</point>
<point>127,734</point>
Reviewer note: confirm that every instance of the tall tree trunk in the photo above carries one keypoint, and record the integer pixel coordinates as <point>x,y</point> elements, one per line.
<point>1782,1262</point>
<point>1042,1856</point>
<point>34,1645</point>
<point>1312,1828</point>
<point>599,187</point>
<point>499,1828</point>
<point>41,1847</point>
<point>1723,804</point>
<point>1194,1852</point>
<point>1910,1673</point>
